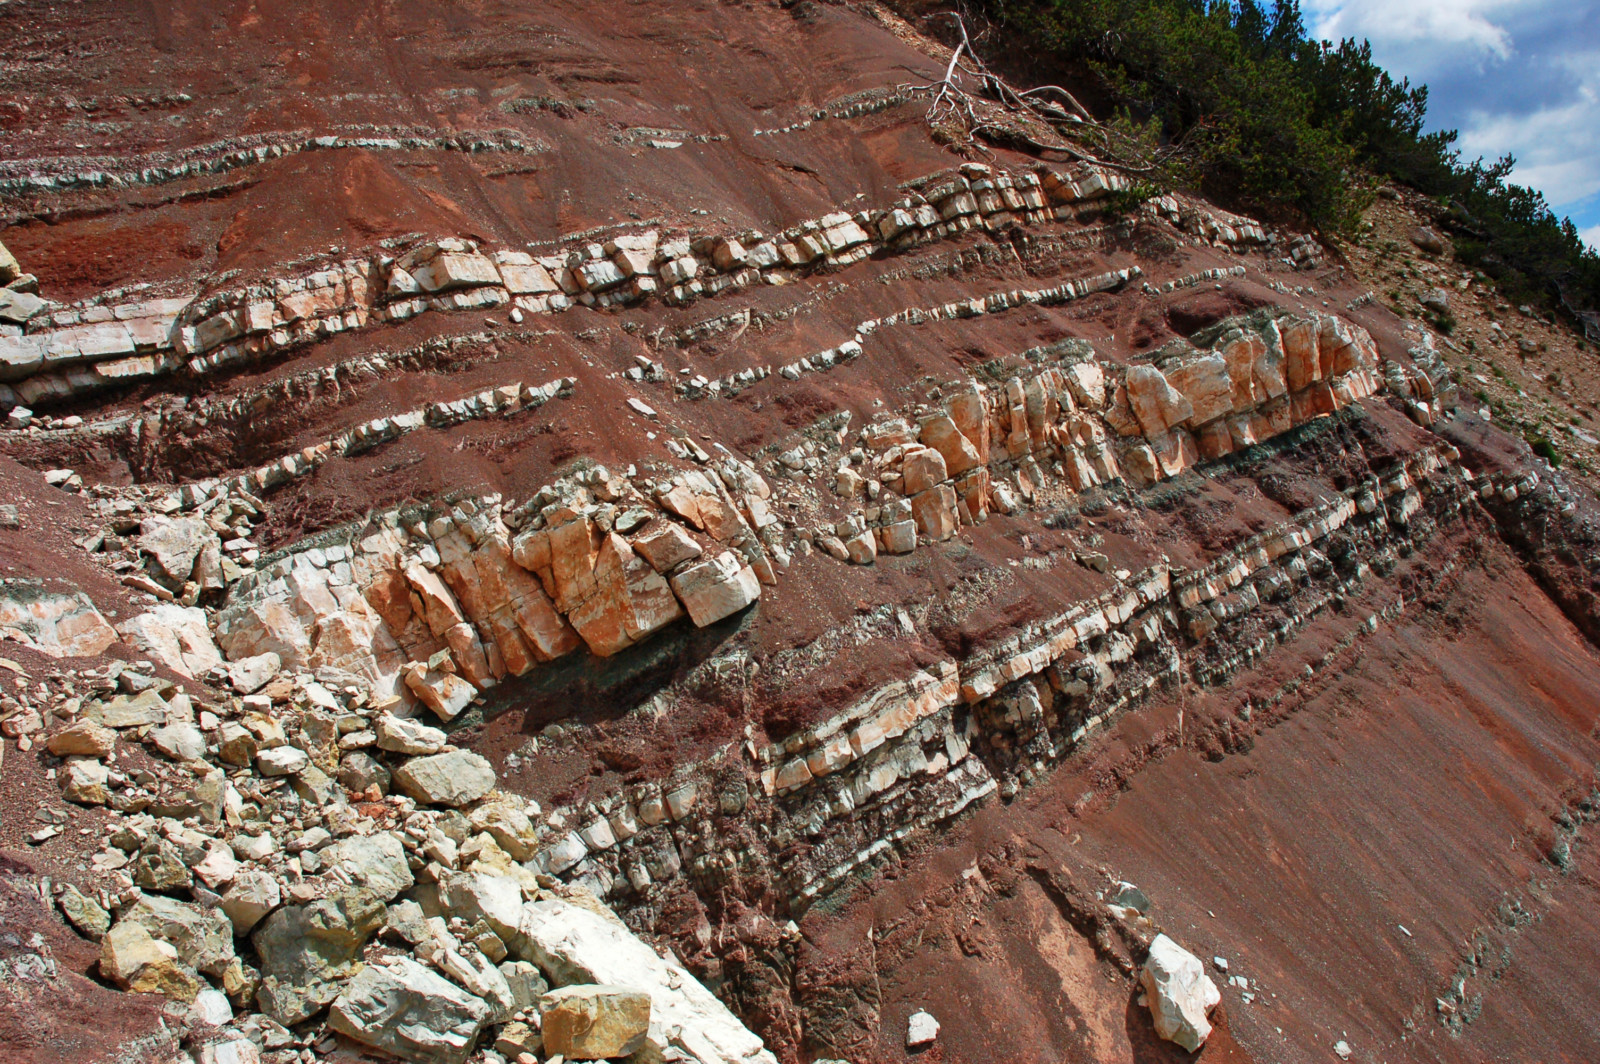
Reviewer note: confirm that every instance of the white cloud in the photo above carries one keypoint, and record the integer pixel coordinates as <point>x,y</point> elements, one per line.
<point>1557,148</point>
<point>1514,76</point>
<point>1591,236</point>
<point>1467,25</point>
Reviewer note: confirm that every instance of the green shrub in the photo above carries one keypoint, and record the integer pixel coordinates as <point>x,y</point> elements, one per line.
<point>1273,122</point>
<point>1546,450</point>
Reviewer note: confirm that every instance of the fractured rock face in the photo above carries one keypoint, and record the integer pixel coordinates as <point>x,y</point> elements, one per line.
<point>407,1011</point>
<point>1179,992</point>
<point>177,636</point>
<point>306,949</point>
<point>626,600</point>
<point>1156,403</point>
<point>578,945</point>
<point>1205,384</point>
<point>592,1022</point>
<point>716,588</point>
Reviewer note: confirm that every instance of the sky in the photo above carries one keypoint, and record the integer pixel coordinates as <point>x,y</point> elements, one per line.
<point>1513,76</point>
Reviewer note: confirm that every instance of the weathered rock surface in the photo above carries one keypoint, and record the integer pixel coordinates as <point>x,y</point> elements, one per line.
<point>716,588</point>
<point>374,862</point>
<point>450,779</point>
<point>306,949</point>
<point>134,959</point>
<point>578,946</point>
<point>590,1022</point>
<point>407,1011</point>
<point>56,622</point>
<point>177,636</point>
<point>1180,994</point>
<point>86,739</point>
<point>202,938</point>
<point>252,896</point>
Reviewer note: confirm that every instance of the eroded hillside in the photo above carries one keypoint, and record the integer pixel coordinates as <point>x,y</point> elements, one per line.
<point>504,497</point>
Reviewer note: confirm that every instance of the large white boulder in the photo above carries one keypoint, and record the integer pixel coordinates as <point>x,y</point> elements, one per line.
<point>177,636</point>
<point>405,1010</point>
<point>1179,993</point>
<point>453,778</point>
<point>716,588</point>
<point>173,545</point>
<point>249,675</point>
<point>402,735</point>
<point>377,862</point>
<point>576,945</point>
<point>54,622</point>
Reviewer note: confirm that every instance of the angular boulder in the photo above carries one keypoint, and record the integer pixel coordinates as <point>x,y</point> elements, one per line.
<point>253,895</point>
<point>376,862</point>
<point>716,588</point>
<point>666,546</point>
<point>179,742</point>
<point>177,636</point>
<point>306,949</point>
<point>135,960</point>
<point>83,739</point>
<point>452,779</point>
<point>401,735</point>
<point>249,675</point>
<point>579,945</point>
<point>593,1022</point>
<point>443,692</point>
<point>281,761</point>
<point>172,545</point>
<point>55,623</point>
<point>923,469</point>
<point>83,780</point>
<point>1179,993</point>
<point>202,938</point>
<point>474,896</point>
<point>405,1010</point>
<point>84,913</point>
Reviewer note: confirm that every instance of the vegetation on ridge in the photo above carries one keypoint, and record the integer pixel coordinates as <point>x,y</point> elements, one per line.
<point>1275,122</point>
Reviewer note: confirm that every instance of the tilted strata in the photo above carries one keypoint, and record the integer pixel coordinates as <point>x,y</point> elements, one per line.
<point>71,351</point>
<point>878,546</point>
<point>1069,421</point>
<point>918,751</point>
<point>66,174</point>
<point>434,605</point>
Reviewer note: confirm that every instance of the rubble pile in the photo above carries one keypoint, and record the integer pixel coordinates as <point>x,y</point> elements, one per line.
<point>298,863</point>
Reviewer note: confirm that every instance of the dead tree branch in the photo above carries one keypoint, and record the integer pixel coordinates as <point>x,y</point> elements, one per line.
<point>993,109</point>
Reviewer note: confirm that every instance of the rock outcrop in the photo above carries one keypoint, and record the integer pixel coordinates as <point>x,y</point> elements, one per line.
<point>547,643</point>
